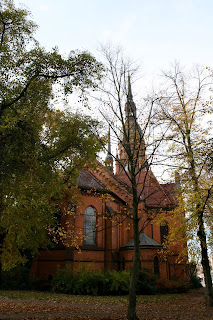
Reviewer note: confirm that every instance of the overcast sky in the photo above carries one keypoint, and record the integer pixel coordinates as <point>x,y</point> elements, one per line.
<point>153,32</point>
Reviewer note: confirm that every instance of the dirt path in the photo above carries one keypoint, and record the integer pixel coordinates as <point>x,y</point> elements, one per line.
<point>184,307</point>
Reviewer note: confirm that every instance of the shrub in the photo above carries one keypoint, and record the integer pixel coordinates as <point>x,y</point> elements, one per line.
<point>195,282</point>
<point>173,287</point>
<point>146,282</point>
<point>35,283</point>
<point>63,282</point>
<point>83,282</point>
<point>17,278</point>
<point>117,282</point>
<point>88,282</point>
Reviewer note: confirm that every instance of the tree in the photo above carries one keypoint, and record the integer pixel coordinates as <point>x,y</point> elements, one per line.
<point>36,141</point>
<point>183,109</point>
<point>130,130</point>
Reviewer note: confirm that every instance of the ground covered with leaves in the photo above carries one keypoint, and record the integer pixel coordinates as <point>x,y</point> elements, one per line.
<point>31,305</point>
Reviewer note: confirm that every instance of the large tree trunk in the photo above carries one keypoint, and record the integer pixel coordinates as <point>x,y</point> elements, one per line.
<point>136,261</point>
<point>201,228</point>
<point>205,261</point>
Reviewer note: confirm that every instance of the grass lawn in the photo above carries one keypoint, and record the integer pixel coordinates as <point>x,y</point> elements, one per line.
<point>58,297</point>
<point>30,305</point>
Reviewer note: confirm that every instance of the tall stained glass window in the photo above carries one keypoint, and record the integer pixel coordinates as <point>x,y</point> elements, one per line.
<point>90,226</point>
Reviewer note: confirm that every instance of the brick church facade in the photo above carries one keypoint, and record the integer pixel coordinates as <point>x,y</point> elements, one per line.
<point>103,224</point>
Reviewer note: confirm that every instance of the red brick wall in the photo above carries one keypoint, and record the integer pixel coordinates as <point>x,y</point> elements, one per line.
<point>110,237</point>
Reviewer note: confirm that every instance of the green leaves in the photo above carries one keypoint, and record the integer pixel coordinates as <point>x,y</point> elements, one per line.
<point>39,148</point>
<point>22,60</point>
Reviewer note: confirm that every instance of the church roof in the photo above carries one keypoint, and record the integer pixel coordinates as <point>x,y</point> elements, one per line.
<point>154,194</point>
<point>103,182</point>
<point>145,242</point>
<point>169,189</point>
<point>86,180</point>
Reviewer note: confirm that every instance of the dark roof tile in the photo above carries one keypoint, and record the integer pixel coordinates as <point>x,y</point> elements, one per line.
<point>86,180</point>
<point>145,242</point>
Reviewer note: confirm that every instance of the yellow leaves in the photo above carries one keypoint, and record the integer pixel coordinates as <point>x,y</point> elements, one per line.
<point>128,227</point>
<point>107,197</point>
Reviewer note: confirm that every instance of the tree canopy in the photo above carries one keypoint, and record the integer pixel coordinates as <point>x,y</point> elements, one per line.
<point>39,145</point>
<point>184,108</point>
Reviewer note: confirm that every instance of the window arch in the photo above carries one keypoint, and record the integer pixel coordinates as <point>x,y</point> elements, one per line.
<point>156,266</point>
<point>90,226</point>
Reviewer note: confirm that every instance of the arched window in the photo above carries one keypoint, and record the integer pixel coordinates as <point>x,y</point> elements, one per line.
<point>90,226</point>
<point>156,266</point>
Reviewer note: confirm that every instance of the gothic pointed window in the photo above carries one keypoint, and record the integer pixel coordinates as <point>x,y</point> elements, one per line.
<point>90,226</point>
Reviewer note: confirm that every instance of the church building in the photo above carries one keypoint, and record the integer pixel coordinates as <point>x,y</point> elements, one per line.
<point>102,219</point>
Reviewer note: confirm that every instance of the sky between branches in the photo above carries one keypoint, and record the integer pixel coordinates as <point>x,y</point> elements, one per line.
<point>154,33</point>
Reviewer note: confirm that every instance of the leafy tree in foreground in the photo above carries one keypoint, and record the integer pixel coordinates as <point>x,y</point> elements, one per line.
<point>36,142</point>
<point>183,109</point>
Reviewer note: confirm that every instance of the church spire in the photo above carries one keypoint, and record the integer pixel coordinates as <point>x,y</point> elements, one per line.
<point>133,136</point>
<point>130,107</point>
<point>109,157</point>
<point>129,94</point>
<point>109,143</point>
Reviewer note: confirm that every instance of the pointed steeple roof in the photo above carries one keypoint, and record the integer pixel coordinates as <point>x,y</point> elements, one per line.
<point>130,108</point>
<point>132,135</point>
<point>109,143</point>
<point>109,157</point>
<point>129,94</point>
